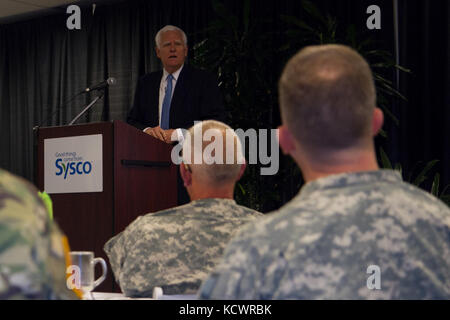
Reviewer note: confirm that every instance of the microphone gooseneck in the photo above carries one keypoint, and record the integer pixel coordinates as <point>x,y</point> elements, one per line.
<point>108,82</point>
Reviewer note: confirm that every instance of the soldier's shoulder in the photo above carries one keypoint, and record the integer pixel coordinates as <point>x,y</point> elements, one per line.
<point>248,210</point>
<point>35,242</point>
<point>19,201</point>
<point>418,194</point>
<point>256,230</point>
<point>158,220</point>
<point>410,204</point>
<point>168,215</point>
<point>15,185</point>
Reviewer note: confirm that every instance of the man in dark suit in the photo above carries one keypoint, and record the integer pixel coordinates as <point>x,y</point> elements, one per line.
<point>173,98</point>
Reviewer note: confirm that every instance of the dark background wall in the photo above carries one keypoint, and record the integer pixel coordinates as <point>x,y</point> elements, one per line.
<point>43,64</point>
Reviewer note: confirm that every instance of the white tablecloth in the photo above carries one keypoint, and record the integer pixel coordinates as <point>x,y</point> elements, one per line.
<point>120,296</point>
<point>110,296</point>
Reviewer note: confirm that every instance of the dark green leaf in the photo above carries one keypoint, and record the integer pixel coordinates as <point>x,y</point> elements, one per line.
<point>241,188</point>
<point>422,175</point>
<point>295,21</point>
<point>445,190</point>
<point>386,163</point>
<point>402,68</point>
<point>389,114</point>
<point>435,185</point>
<point>379,53</point>
<point>312,10</point>
<point>391,91</point>
<point>220,9</point>
<point>445,199</point>
<point>246,14</point>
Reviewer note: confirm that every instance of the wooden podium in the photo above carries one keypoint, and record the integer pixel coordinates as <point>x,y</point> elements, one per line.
<point>138,177</point>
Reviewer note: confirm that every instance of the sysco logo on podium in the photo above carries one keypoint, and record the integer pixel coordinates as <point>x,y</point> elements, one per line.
<point>69,164</point>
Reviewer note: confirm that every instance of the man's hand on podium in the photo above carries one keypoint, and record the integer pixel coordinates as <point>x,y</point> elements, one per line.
<point>161,134</point>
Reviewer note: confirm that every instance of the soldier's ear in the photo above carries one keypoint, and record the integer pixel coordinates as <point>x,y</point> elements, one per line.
<point>377,121</point>
<point>286,140</point>
<point>186,174</point>
<point>241,171</point>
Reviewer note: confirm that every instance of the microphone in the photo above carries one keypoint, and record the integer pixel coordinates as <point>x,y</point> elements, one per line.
<point>109,82</point>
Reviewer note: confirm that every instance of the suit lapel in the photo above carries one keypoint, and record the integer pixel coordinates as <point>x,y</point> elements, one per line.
<point>152,95</point>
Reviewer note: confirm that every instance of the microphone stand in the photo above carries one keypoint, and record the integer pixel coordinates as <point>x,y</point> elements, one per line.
<point>57,109</point>
<point>102,92</point>
<point>36,128</point>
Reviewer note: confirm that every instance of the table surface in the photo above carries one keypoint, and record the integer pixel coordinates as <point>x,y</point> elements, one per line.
<point>121,296</point>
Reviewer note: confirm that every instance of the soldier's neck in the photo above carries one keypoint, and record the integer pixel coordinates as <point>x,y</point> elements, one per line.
<point>352,162</point>
<point>206,193</point>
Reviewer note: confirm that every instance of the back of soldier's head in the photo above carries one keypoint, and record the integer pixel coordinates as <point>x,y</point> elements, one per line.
<point>327,97</point>
<point>213,151</point>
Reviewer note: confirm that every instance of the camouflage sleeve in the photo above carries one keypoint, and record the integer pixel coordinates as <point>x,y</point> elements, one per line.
<point>235,277</point>
<point>136,256</point>
<point>117,248</point>
<point>116,254</point>
<point>134,282</point>
<point>27,271</point>
<point>32,262</point>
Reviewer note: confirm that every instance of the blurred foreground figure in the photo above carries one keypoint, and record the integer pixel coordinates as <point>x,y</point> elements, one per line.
<point>32,253</point>
<point>177,248</point>
<point>353,231</point>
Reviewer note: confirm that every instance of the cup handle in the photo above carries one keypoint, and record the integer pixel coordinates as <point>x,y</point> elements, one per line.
<point>103,277</point>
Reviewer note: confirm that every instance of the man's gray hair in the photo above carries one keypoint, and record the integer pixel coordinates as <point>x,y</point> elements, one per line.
<point>221,166</point>
<point>169,28</point>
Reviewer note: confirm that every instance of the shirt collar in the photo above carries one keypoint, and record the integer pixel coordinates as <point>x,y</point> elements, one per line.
<point>347,179</point>
<point>206,200</point>
<point>174,75</point>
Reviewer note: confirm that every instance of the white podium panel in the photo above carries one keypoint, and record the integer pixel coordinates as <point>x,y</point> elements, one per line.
<point>73,164</point>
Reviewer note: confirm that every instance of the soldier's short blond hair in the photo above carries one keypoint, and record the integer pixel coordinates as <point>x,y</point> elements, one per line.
<point>327,97</point>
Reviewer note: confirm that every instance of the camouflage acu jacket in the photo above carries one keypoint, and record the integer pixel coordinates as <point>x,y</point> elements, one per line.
<point>176,248</point>
<point>32,262</point>
<point>365,235</point>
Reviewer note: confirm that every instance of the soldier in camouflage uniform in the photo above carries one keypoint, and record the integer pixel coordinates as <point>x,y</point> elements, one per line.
<point>177,248</point>
<point>353,231</point>
<point>32,261</point>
